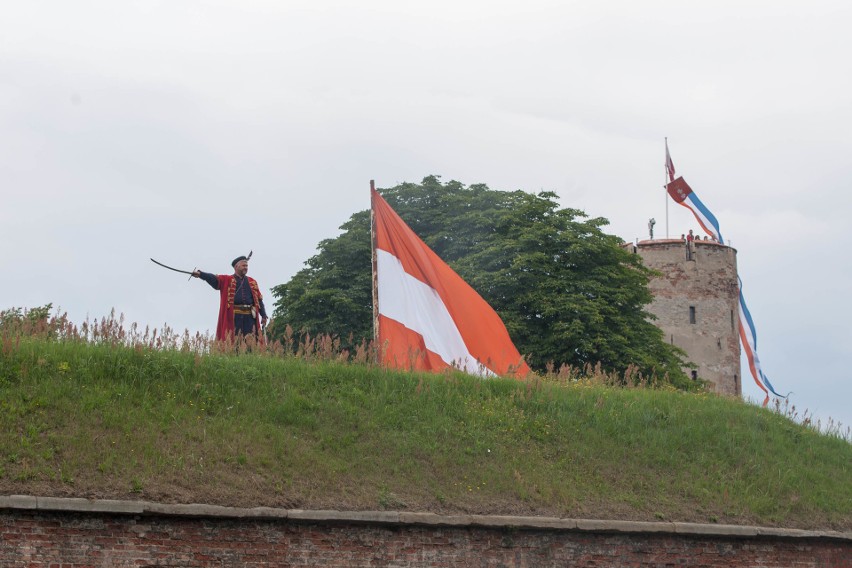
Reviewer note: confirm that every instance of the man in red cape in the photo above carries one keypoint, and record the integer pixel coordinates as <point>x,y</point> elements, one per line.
<point>241,309</point>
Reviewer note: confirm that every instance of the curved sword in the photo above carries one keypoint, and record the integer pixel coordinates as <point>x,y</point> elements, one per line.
<point>170,268</point>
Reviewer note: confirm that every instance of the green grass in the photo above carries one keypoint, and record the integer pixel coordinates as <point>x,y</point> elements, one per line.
<point>98,418</point>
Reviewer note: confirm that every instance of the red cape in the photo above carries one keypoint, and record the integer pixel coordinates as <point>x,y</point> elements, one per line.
<point>227,288</point>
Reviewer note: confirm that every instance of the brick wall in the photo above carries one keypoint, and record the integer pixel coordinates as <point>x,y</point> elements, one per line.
<point>76,539</point>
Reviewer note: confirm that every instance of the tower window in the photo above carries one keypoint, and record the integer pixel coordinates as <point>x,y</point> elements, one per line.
<point>691,314</point>
<point>694,375</point>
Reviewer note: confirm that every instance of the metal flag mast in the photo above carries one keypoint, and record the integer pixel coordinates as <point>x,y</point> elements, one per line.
<point>665,192</point>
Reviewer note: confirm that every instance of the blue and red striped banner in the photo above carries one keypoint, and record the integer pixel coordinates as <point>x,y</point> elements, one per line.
<point>682,194</point>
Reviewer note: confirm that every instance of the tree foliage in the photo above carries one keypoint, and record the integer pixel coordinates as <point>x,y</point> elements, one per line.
<point>567,292</point>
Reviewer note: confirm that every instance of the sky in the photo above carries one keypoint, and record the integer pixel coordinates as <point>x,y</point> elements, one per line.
<point>193,132</point>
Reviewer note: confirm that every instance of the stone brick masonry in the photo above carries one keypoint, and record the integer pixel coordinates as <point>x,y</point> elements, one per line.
<point>76,533</point>
<point>700,278</point>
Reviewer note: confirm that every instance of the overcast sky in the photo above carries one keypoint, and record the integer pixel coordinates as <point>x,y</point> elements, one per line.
<point>195,131</point>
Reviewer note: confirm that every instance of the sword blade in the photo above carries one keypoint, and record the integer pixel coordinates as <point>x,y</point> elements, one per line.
<point>170,268</point>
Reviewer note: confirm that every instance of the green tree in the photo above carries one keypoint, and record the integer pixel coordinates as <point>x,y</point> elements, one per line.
<point>567,292</point>
<point>333,293</point>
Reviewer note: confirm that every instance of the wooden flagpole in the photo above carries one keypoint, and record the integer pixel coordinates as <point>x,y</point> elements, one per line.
<point>375,278</point>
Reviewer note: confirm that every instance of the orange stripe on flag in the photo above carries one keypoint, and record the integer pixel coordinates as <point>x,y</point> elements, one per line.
<point>405,348</point>
<point>422,293</point>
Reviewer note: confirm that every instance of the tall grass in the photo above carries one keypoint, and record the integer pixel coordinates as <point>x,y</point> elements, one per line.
<point>103,411</point>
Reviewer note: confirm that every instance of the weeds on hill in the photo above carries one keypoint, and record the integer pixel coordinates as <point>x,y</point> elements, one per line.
<point>112,331</point>
<point>44,323</point>
<point>829,428</point>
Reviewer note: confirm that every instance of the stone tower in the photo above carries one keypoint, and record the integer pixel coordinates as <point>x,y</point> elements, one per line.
<point>696,299</point>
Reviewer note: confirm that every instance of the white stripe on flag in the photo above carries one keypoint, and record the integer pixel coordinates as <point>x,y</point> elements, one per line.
<point>418,307</point>
<point>706,224</point>
<point>746,327</point>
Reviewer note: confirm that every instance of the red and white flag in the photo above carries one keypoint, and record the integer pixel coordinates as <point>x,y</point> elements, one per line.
<point>428,317</point>
<point>669,164</point>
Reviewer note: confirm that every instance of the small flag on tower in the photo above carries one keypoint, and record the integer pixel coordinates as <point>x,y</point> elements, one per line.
<point>669,164</point>
<point>680,191</point>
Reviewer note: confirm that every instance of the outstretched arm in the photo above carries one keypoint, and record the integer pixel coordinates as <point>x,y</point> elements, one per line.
<point>207,277</point>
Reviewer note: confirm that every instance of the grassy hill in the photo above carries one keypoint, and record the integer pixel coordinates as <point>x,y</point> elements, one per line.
<point>93,414</point>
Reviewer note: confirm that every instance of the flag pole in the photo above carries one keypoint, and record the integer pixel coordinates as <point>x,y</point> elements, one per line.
<point>666,193</point>
<point>373,262</point>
